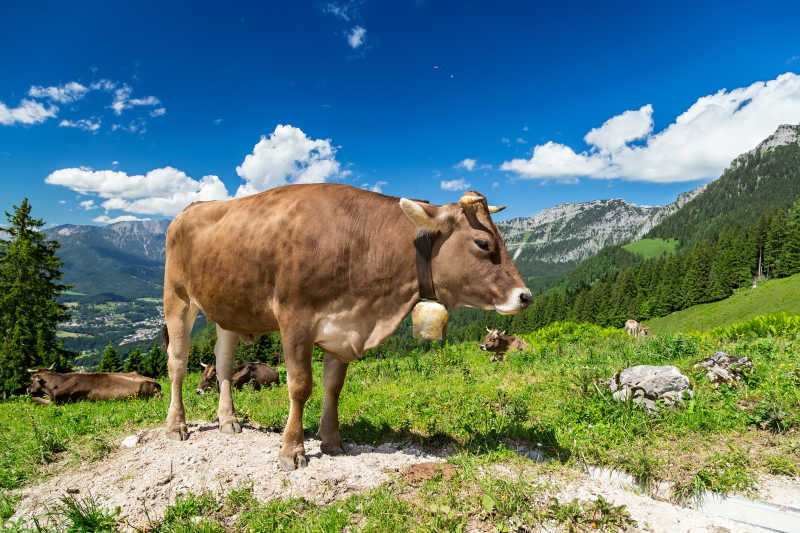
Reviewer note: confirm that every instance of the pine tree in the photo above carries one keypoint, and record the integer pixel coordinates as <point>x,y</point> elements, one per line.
<point>774,242</point>
<point>133,363</point>
<point>109,361</point>
<point>155,365</point>
<point>30,272</point>
<point>790,253</point>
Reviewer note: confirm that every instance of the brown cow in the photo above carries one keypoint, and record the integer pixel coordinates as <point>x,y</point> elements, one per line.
<point>500,344</point>
<point>634,329</point>
<point>259,374</point>
<point>73,386</point>
<point>327,264</point>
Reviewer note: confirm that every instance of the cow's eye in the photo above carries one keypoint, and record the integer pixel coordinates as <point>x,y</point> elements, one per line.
<point>483,245</point>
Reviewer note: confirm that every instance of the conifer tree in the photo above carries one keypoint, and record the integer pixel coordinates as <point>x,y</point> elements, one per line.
<point>155,365</point>
<point>789,262</point>
<point>30,274</point>
<point>774,242</point>
<point>109,361</point>
<point>133,363</point>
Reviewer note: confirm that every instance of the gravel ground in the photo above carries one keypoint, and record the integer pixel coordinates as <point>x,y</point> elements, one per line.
<point>145,474</point>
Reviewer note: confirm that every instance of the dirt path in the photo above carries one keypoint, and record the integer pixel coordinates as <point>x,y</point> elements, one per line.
<point>144,480</point>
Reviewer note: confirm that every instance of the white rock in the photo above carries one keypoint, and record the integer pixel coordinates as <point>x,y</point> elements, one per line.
<point>130,441</point>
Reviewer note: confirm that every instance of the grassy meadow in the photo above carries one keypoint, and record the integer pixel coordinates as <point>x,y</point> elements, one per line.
<point>550,398</point>
<point>771,296</point>
<point>652,248</point>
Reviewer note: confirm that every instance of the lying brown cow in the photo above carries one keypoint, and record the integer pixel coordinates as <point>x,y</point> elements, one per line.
<point>500,343</point>
<point>634,329</point>
<point>74,386</point>
<point>259,374</point>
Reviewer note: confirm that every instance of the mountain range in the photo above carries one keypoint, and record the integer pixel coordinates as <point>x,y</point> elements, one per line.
<point>124,262</point>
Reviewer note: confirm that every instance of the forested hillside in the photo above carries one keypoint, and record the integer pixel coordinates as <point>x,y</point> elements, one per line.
<point>757,182</point>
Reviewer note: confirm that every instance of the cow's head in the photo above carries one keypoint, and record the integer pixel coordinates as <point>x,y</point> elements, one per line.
<point>471,266</point>
<point>493,340</point>
<point>207,379</point>
<point>39,379</point>
<point>644,332</point>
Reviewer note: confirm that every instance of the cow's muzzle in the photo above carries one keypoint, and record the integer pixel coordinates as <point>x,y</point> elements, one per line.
<point>518,300</point>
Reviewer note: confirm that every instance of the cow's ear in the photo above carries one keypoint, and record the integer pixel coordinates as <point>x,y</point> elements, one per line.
<point>427,217</point>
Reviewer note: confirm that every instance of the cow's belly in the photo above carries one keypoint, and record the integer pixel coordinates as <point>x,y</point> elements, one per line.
<point>347,334</point>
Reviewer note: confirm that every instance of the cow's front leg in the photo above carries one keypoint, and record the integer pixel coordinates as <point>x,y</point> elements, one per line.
<point>224,350</point>
<point>297,352</point>
<point>333,374</point>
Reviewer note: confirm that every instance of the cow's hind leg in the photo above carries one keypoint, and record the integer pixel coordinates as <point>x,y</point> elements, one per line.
<point>224,350</point>
<point>333,374</point>
<point>180,315</point>
<point>297,350</point>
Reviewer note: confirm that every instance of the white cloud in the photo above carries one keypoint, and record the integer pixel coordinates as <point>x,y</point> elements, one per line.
<point>495,184</point>
<point>63,94</point>
<point>28,112</point>
<point>104,84</point>
<point>123,100</point>
<point>699,144</point>
<point>468,164</point>
<point>115,162</point>
<point>217,121</point>
<point>287,156</point>
<point>105,219</point>
<point>506,141</point>
<point>455,185</point>
<point>356,36</point>
<point>85,124</point>
<point>163,191</point>
<point>617,131</point>
<point>343,11</point>
<point>62,202</point>
<point>378,187</point>
<point>157,112</point>
<point>520,140</point>
<point>88,205</point>
<point>524,128</point>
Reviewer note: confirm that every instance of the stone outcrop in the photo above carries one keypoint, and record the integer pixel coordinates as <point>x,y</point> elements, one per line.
<point>646,384</point>
<point>724,368</point>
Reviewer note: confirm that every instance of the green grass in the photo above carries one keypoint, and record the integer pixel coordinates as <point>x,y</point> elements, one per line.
<point>773,296</point>
<point>649,248</point>
<point>149,300</point>
<point>551,397</point>
<point>72,293</point>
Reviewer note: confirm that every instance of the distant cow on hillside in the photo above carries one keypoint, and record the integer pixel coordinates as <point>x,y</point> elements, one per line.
<point>74,386</point>
<point>634,329</point>
<point>259,374</point>
<point>500,343</point>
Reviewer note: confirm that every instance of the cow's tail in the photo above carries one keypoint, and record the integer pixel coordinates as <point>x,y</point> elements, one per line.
<point>165,334</point>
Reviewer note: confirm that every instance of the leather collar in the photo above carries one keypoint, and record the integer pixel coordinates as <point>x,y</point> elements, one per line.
<point>424,246</point>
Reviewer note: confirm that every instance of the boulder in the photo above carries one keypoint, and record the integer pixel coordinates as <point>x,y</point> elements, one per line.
<point>724,368</point>
<point>645,384</point>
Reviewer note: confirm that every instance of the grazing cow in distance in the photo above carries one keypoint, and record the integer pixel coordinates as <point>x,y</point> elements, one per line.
<point>500,343</point>
<point>259,374</point>
<point>634,329</point>
<point>73,386</point>
<point>326,264</point>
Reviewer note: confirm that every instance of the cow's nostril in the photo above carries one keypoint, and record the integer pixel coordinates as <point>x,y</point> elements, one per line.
<point>525,298</point>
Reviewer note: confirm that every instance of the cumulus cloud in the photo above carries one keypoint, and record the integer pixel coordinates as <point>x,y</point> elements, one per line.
<point>455,185</point>
<point>356,36</point>
<point>123,100</point>
<point>157,112</point>
<point>63,94</point>
<point>345,11</point>
<point>27,112</point>
<point>287,156</point>
<point>467,164</point>
<point>163,191</point>
<point>105,219</point>
<point>85,124</point>
<point>378,187</point>
<point>699,144</point>
<point>88,204</point>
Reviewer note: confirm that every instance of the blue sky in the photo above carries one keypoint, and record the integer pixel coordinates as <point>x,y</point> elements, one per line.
<point>109,111</point>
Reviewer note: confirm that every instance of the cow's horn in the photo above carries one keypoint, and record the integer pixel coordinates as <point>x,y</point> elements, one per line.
<point>51,367</point>
<point>203,364</point>
<point>495,209</point>
<point>504,332</point>
<point>488,330</point>
<point>31,370</point>
<point>468,199</point>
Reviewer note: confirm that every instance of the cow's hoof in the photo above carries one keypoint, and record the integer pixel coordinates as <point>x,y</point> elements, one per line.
<point>230,428</point>
<point>293,462</point>
<point>332,448</point>
<point>178,434</point>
